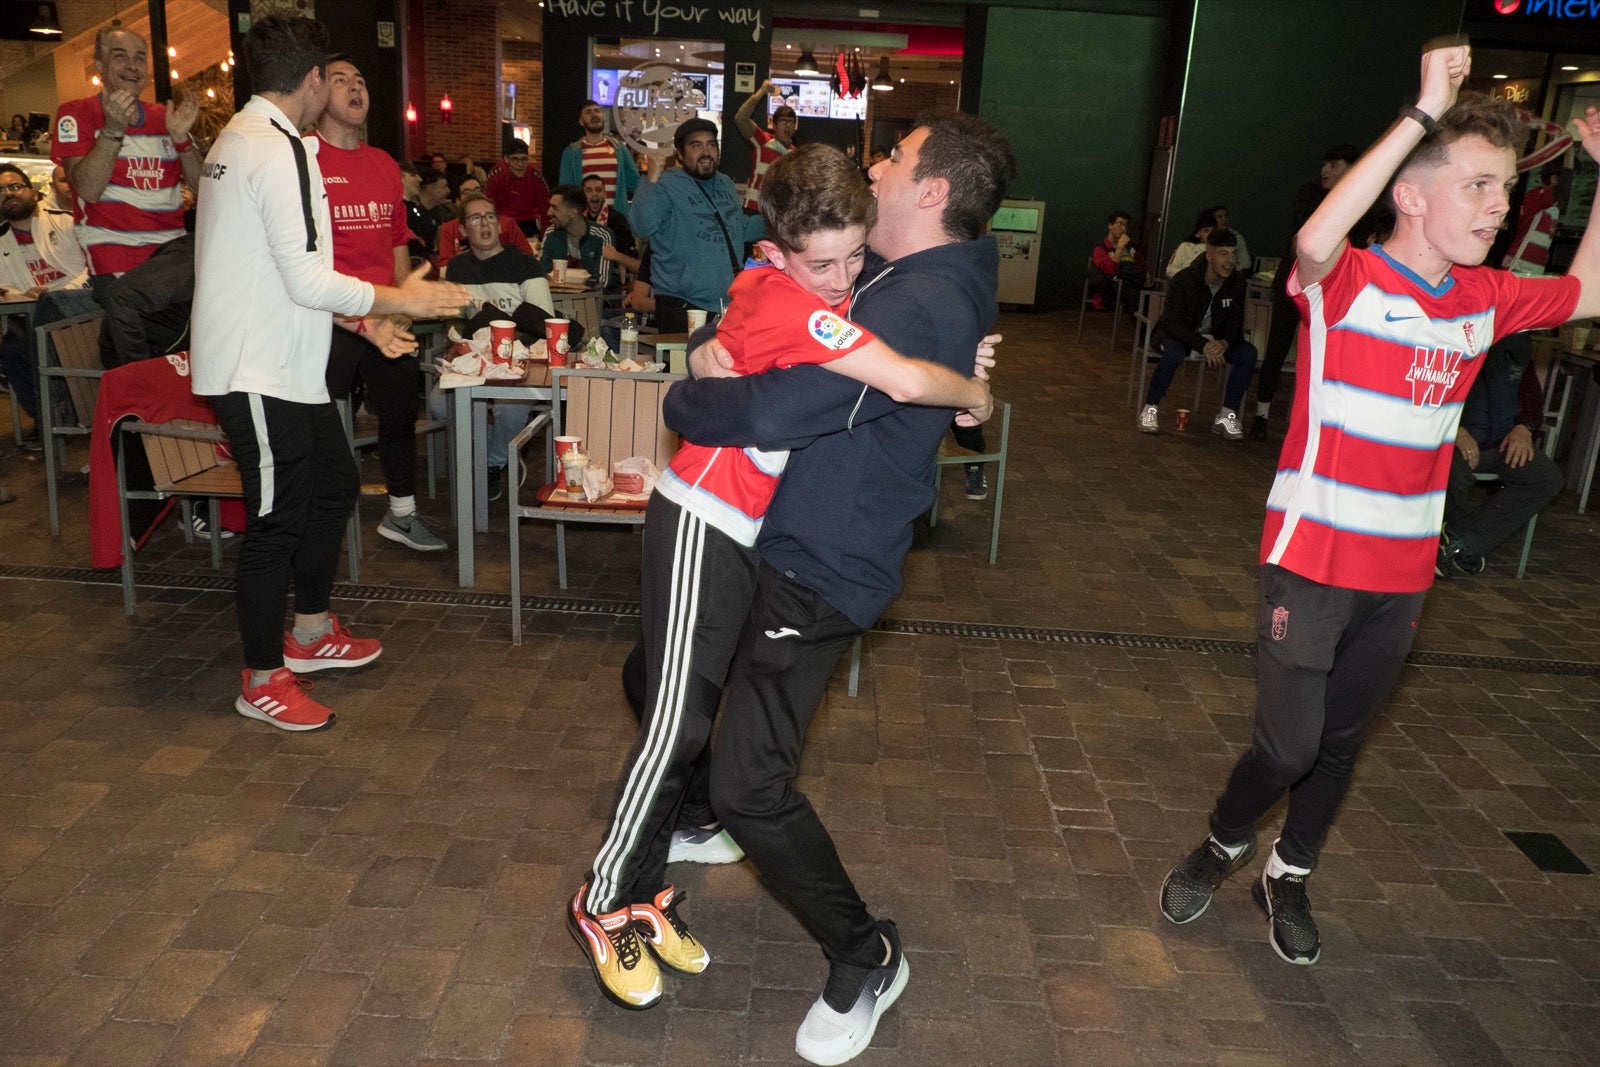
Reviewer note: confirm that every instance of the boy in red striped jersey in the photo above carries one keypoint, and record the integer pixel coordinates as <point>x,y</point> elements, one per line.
<point>700,560</point>
<point>1395,334</point>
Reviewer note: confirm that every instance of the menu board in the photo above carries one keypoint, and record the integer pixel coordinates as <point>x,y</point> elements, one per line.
<point>814,98</point>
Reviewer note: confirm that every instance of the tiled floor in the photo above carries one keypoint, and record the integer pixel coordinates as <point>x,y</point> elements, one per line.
<point>179,885</point>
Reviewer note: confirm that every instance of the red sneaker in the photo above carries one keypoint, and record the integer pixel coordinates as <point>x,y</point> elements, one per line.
<point>338,648</point>
<point>282,701</point>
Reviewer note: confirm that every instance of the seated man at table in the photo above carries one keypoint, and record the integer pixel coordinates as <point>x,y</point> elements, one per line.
<point>1501,412</point>
<point>511,235</point>
<point>506,278</point>
<point>576,241</point>
<point>1204,313</point>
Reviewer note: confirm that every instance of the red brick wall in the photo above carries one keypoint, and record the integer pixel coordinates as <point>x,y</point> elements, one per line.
<point>523,62</point>
<point>461,57</point>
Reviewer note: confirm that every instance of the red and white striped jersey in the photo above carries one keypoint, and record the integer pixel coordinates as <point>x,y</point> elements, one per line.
<point>768,151</point>
<point>1386,362</point>
<point>142,206</point>
<point>771,323</point>
<point>600,160</point>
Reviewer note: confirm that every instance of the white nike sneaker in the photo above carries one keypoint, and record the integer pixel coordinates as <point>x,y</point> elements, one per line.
<point>1149,419</point>
<point>829,1037</point>
<point>1227,424</point>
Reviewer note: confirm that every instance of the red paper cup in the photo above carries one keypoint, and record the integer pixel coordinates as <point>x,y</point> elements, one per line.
<point>555,340</point>
<point>502,332</point>
<point>563,446</point>
<point>1183,418</point>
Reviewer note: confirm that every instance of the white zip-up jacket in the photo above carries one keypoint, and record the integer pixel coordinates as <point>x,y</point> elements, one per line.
<point>265,288</point>
<point>55,248</point>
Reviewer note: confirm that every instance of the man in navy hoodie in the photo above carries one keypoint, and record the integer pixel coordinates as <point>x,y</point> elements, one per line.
<point>836,536</point>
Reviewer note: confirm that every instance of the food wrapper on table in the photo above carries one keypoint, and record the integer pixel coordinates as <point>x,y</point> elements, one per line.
<point>470,361</point>
<point>596,483</point>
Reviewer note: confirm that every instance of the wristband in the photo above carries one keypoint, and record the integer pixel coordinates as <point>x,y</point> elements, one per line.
<point>1421,117</point>
<point>188,143</point>
<point>108,136</point>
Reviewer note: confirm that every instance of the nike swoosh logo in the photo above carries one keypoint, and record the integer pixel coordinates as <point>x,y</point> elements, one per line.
<point>1389,316</point>
<point>787,631</point>
<point>881,987</point>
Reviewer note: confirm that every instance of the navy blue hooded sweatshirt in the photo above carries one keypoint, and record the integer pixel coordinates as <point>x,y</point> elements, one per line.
<point>862,470</point>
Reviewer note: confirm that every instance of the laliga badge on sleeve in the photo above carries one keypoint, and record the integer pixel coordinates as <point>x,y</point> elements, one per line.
<point>67,130</point>
<point>832,331</point>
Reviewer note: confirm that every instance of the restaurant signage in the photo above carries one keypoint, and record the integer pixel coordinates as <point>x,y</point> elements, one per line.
<point>1561,9</point>
<point>651,103</point>
<point>659,18</point>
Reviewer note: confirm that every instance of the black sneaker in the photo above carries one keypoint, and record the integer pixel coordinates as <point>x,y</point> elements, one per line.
<point>977,484</point>
<point>32,442</point>
<point>1258,428</point>
<point>1186,894</point>
<point>1454,560</point>
<point>497,484</point>
<point>829,1036</point>
<point>1292,932</point>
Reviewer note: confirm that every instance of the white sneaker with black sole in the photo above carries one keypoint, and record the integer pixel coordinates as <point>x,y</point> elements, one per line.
<point>829,1036</point>
<point>703,846</point>
<point>1227,424</point>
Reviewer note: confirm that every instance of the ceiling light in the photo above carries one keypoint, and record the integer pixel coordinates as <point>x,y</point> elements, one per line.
<point>94,80</point>
<point>211,93</point>
<point>1569,68</point>
<point>1500,77</point>
<point>174,75</point>
<point>883,83</point>
<point>45,23</point>
<point>807,63</point>
<point>172,53</point>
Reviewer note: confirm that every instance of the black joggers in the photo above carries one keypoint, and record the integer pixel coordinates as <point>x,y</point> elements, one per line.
<point>300,482</point>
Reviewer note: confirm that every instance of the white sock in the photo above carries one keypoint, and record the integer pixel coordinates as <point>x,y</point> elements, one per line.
<point>1232,850</point>
<point>314,633</point>
<point>1276,868</point>
<point>402,507</point>
<point>1262,409</point>
<point>260,678</point>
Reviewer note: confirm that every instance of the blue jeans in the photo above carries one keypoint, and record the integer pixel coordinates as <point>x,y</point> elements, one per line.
<point>1241,360</point>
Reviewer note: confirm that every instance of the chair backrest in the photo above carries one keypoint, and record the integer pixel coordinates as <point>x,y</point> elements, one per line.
<point>1151,303</point>
<point>174,458</point>
<point>75,345</point>
<point>583,308</point>
<point>618,414</point>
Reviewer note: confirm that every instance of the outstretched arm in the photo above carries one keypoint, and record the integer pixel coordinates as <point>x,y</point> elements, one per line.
<point>911,381</point>
<point>1586,262</point>
<point>1322,238</point>
<point>742,119</point>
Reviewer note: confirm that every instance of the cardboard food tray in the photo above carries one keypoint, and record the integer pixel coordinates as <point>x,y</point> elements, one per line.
<point>550,496</point>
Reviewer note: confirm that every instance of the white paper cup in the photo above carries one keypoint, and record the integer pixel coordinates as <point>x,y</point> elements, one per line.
<point>558,271</point>
<point>573,464</point>
<point>697,319</point>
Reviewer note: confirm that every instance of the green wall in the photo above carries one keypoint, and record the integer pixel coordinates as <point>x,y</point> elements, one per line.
<point>1077,92</point>
<point>1275,83</point>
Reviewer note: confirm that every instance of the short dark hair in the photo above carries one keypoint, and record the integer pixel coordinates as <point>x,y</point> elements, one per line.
<point>1472,115</point>
<point>691,127</point>
<point>570,194</point>
<point>784,111</point>
<point>1115,215</point>
<point>408,167</point>
<point>977,161</point>
<point>343,57</point>
<point>1206,220</point>
<point>588,104</point>
<point>814,188</point>
<point>516,147</point>
<point>1342,153</point>
<point>280,51</point>
<point>431,175</point>
<point>587,178</point>
<point>18,171</point>
<point>1221,238</point>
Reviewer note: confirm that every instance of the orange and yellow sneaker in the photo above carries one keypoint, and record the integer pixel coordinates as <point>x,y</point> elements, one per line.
<point>628,975</point>
<point>668,939</point>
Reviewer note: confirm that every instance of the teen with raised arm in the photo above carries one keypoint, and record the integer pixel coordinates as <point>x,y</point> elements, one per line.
<point>1395,335</point>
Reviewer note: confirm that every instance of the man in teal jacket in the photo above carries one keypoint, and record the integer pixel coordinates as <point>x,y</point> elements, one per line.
<point>602,155</point>
<point>696,227</point>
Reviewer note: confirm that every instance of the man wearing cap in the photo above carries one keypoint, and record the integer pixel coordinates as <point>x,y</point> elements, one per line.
<point>519,191</point>
<point>696,227</point>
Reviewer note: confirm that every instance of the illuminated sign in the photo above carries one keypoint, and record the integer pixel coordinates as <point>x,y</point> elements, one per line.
<point>1561,9</point>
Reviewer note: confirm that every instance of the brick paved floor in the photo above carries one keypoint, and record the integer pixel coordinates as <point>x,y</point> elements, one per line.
<point>179,885</point>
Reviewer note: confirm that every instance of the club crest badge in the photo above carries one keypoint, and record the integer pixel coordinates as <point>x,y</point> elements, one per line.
<point>180,363</point>
<point>1280,623</point>
<point>1466,330</point>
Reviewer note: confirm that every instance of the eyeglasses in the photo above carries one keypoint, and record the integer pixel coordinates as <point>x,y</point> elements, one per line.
<point>14,187</point>
<point>487,216</point>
